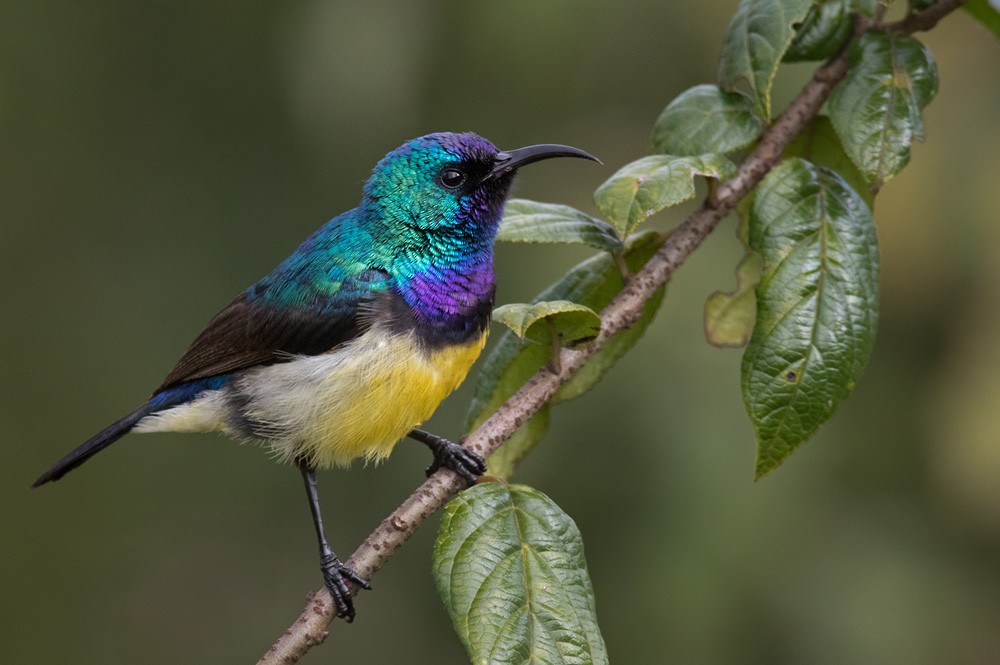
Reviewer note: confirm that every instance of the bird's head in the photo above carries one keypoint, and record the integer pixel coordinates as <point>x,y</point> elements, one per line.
<point>450,184</point>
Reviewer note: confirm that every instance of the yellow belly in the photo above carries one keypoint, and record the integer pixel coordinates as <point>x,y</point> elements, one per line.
<point>381,388</point>
<point>330,409</point>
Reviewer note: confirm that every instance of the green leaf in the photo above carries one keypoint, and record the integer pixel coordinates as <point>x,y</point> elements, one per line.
<point>818,144</point>
<point>504,460</point>
<point>817,304</point>
<point>641,248</point>
<point>530,221</point>
<point>729,317</point>
<point>550,322</point>
<point>510,569</point>
<point>703,119</point>
<point>866,7</point>
<point>876,108</point>
<point>987,13</point>
<point>598,365</point>
<point>506,368</point>
<point>647,186</point>
<point>758,36</point>
<point>827,26</point>
<point>593,284</point>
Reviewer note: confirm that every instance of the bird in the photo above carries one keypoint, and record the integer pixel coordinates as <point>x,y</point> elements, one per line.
<point>352,342</point>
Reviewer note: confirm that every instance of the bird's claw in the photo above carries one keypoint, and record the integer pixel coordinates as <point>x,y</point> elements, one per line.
<point>336,575</point>
<point>466,463</point>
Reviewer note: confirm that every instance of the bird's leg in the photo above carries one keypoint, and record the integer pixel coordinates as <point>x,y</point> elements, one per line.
<point>335,573</point>
<point>448,454</point>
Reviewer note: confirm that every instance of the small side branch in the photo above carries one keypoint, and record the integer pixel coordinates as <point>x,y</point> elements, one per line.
<point>927,19</point>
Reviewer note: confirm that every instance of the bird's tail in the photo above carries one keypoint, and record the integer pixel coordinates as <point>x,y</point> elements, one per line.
<point>97,443</point>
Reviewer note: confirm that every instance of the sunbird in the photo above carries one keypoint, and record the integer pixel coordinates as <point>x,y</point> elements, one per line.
<point>353,340</point>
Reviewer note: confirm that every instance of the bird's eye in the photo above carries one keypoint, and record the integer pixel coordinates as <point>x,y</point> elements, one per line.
<point>452,178</point>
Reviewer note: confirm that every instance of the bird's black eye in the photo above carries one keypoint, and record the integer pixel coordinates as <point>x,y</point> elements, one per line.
<point>452,178</point>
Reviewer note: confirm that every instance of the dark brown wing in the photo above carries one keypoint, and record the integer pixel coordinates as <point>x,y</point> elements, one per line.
<point>245,334</point>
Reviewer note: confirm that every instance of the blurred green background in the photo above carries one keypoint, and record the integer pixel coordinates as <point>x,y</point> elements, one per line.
<point>157,157</point>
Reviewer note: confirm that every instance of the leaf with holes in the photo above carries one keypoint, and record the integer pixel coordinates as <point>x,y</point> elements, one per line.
<point>530,221</point>
<point>651,184</point>
<point>509,567</point>
<point>703,119</point>
<point>817,304</point>
<point>759,34</point>
<point>876,109</point>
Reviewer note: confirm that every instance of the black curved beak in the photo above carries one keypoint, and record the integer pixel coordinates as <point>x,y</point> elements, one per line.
<point>508,161</point>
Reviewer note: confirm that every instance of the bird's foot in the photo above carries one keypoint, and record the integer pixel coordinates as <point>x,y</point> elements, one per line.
<point>450,455</point>
<point>336,575</point>
<point>458,458</point>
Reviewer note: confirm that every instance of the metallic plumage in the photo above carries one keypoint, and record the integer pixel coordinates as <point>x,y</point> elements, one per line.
<point>356,337</point>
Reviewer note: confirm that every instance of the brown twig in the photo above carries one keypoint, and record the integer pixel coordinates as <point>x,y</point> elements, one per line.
<point>311,626</point>
<point>927,19</point>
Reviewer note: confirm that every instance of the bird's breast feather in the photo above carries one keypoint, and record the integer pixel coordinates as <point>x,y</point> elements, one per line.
<point>358,400</point>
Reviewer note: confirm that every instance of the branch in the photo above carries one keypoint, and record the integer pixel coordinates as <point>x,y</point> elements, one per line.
<point>926,19</point>
<point>310,628</point>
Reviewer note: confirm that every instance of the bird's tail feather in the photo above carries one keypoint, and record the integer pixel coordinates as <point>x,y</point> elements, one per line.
<point>97,443</point>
